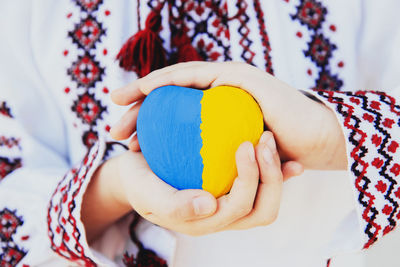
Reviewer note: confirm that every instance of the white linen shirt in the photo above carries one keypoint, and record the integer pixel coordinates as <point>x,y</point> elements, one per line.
<point>57,68</point>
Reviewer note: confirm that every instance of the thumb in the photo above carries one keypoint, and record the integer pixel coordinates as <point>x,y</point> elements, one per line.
<point>191,204</point>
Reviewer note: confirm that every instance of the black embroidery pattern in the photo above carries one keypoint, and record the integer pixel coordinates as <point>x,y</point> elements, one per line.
<point>10,253</point>
<point>369,118</point>
<point>312,14</point>
<point>86,71</point>
<point>5,110</point>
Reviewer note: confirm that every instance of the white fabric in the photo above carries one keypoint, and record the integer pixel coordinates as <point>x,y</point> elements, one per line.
<point>318,217</point>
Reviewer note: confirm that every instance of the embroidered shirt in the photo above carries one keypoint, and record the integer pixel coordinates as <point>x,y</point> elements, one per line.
<point>57,70</point>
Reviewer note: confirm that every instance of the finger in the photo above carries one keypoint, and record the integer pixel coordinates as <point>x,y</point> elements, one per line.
<point>291,169</point>
<point>181,206</point>
<point>134,144</point>
<point>126,126</point>
<point>209,74</point>
<point>126,95</point>
<point>188,205</point>
<point>239,202</point>
<point>197,75</point>
<point>166,71</point>
<point>267,202</point>
<point>161,200</point>
<point>141,87</point>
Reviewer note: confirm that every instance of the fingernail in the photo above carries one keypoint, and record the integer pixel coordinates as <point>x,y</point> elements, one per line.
<point>203,205</point>
<point>252,157</point>
<point>271,144</point>
<point>267,155</point>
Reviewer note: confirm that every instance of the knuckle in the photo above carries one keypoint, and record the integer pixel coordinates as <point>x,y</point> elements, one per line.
<point>142,85</point>
<point>271,218</point>
<point>266,221</point>
<point>171,77</point>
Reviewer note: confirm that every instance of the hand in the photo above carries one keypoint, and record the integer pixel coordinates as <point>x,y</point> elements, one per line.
<point>253,200</point>
<point>306,131</point>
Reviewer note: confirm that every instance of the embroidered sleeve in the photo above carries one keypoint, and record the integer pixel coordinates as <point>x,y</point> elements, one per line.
<point>33,191</point>
<point>371,123</point>
<point>30,174</point>
<point>65,230</point>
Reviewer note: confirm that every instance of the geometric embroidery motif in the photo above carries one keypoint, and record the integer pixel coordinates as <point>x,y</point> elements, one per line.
<point>88,108</point>
<point>4,109</point>
<point>11,256</point>
<point>9,223</point>
<point>89,138</point>
<point>205,24</point>
<point>87,33</point>
<point>89,5</point>
<point>327,81</point>
<point>10,253</point>
<point>9,142</point>
<point>244,31</point>
<point>8,165</point>
<point>364,115</point>
<point>264,36</point>
<point>86,71</point>
<point>320,50</point>
<point>310,13</point>
<point>63,226</point>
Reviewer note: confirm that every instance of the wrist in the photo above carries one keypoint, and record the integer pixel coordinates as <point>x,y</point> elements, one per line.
<point>101,206</point>
<point>109,176</point>
<point>334,143</point>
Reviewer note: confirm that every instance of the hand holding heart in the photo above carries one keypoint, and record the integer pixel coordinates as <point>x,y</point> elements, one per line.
<point>126,182</point>
<point>305,131</point>
<point>302,131</point>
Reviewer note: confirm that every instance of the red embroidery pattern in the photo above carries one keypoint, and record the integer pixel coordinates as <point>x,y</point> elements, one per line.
<point>9,142</point>
<point>248,39</point>
<point>85,70</point>
<point>245,42</point>
<point>264,36</point>
<point>373,154</point>
<point>312,15</point>
<point>8,165</point>
<point>63,228</point>
<point>89,5</point>
<point>10,253</point>
<point>205,23</point>
<point>88,109</point>
<point>145,258</point>
<point>87,33</point>
<point>5,110</point>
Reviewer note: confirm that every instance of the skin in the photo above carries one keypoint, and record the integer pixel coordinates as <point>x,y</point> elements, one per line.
<point>306,131</point>
<point>283,151</point>
<point>118,187</point>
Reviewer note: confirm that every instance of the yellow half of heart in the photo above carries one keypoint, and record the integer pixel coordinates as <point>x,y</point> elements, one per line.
<point>230,116</point>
